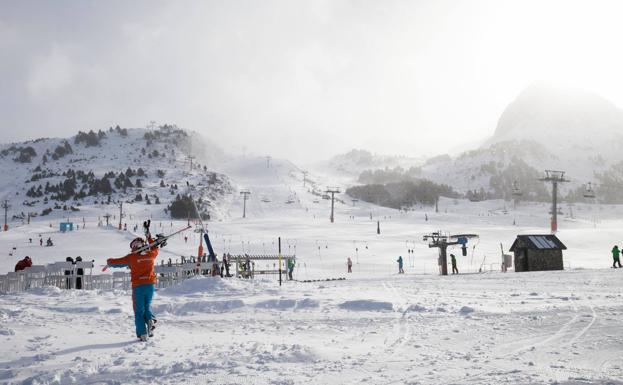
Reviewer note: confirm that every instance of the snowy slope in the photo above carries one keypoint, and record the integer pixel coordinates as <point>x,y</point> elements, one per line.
<point>373,327</point>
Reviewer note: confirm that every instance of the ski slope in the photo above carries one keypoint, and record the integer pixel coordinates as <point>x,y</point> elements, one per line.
<point>375,327</point>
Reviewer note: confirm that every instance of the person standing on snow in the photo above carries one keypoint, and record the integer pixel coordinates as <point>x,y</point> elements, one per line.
<point>400,269</point>
<point>291,263</point>
<point>141,266</point>
<point>615,255</point>
<point>349,264</point>
<point>225,265</point>
<point>454,268</point>
<point>68,272</point>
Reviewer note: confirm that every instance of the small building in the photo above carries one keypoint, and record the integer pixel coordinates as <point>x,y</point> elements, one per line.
<point>66,226</point>
<point>537,252</point>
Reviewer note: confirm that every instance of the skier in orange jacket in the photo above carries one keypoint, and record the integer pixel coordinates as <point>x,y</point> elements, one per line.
<point>144,278</point>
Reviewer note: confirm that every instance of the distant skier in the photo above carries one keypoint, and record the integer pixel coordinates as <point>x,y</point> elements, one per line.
<point>615,255</point>
<point>49,242</point>
<point>291,263</point>
<point>400,269</point>
<point>143,282</point>
<point>40,241</point>
<point>454,268</point>
<point>349,264</point>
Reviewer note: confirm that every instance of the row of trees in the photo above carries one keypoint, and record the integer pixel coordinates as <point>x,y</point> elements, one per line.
<point>90,139</point>
<point>22,154</point>
<point>89,184</point>
<point>402,194</point>
<point>182,207</point>
<point>502,178</point>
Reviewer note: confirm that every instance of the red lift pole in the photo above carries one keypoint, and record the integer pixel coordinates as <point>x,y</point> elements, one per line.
<point>5,206</point>
<point>554,177</point>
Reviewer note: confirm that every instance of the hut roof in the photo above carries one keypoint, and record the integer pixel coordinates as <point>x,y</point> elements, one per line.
<point>539,242</point>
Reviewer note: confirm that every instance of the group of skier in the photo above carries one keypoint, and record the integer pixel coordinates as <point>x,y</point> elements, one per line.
<point>401,270</point>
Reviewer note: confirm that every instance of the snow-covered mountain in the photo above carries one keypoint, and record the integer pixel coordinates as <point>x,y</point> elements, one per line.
<point>567,122</point>
<point>546,127</point>
<point>97,169</point>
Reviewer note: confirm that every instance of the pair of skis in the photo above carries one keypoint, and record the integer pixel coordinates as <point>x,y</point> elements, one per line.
<point>158,242</point>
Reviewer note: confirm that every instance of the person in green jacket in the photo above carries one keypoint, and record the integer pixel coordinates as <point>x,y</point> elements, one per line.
<point>400,269</point>
<point>615,255</point>
<point>455,270</point>
<point>291,263</point>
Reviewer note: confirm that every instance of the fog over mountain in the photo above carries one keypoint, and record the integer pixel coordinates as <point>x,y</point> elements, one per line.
<point>546,127</point>
<point>563,120</point>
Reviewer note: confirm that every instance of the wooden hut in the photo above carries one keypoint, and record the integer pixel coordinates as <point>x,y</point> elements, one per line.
<point>538,252</point>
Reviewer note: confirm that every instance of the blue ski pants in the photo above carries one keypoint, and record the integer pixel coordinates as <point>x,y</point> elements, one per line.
<point>141,299</point>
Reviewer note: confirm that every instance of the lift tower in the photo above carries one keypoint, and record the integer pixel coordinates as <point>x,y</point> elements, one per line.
<point>332,191</point>
<point>120,214</point>
<point>5,206</point>
<point>441,242</point>
<point>245,195</point>
<point>554,177</point>
<point>305,177</point>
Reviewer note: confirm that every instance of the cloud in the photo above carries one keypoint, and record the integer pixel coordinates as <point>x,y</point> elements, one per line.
<point>281,77</point>
<point>50,74</point>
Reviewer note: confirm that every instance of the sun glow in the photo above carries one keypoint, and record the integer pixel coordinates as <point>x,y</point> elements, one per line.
<point>575,43</point>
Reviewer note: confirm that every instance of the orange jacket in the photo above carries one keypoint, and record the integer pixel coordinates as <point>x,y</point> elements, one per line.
<point>141,266</point>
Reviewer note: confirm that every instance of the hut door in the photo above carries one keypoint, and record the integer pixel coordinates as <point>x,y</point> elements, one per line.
<point>523,260</point>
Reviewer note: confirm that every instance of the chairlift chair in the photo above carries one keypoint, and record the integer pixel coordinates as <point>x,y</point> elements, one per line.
<point>516,190</point>
<point>588,192</point>
<point>198,228</point>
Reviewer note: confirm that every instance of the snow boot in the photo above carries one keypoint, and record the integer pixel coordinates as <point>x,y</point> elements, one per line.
<point>151,325</point>
<point>143,338</point>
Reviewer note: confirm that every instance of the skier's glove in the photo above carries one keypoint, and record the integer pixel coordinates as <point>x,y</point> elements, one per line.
<point>146,225</point>
<point>161,240</point>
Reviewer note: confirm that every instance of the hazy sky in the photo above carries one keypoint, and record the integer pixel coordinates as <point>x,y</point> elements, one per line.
<point>299,79</point>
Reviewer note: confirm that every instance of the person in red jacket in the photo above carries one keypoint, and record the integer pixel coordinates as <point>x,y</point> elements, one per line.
<point>24,263</point>
<point>143,277</point>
